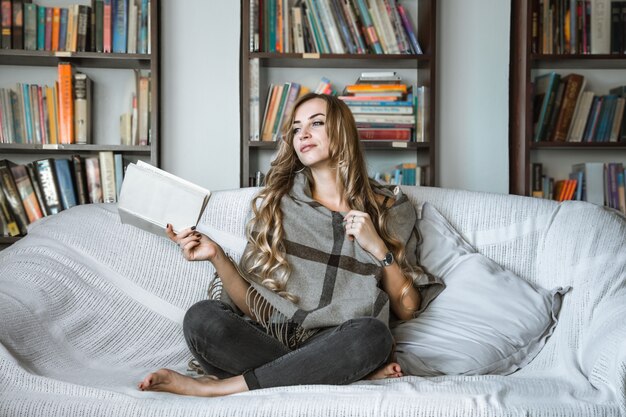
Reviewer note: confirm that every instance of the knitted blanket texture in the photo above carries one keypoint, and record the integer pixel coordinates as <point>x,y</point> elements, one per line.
<point>89,306</point>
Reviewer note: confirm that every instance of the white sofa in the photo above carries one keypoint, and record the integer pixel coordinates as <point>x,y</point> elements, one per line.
<point>88,306</point>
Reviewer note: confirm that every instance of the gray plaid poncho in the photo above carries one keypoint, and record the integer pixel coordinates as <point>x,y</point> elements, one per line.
<point>335,279</point>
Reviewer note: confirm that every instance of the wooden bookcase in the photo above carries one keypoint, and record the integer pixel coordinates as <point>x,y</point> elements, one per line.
<point>524,65</point>
<point>292,67</point>
<point>103,122</point>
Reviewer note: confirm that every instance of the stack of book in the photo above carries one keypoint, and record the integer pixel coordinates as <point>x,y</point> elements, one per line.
<point>119,26</point>
<point>564,112</point>
<point>595,182</point>
<point>332,26</point>
<point>384,108</point>
<point>44,187</point>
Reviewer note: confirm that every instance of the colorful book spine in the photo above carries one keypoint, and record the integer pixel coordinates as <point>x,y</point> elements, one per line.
<point>107,21</point>
<point>65,182</point>
<point>120,26</point>
<point>63,29</point>
<point>368,27</point>
<point>408,27</point>
<point>5,23</point>
<point>66,103</point>
<point>41,28</point>
<point>17,24</point>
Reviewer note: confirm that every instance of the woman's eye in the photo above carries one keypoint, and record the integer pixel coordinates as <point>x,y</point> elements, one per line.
<point>295,130</point>
<point>318,123</point>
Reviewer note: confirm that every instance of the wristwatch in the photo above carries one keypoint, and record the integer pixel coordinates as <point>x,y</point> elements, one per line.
<point>388,259</point>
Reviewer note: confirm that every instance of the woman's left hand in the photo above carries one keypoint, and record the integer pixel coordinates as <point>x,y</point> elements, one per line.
<point>359,226</point>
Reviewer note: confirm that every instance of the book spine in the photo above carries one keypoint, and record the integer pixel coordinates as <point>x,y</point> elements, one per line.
<point>143,106</point>
<point>82,107</point>
<point>384,134</point>
<point>94,184</point>
<point>107,21</point>
<point>5,23</point>
<point>66,103</point>
<point>408,27</point>
<point>32,175</point>
<point>82,28</point>
<point>120,21</point>
<point>65,183</point>
<point>119,173</point>
<point>99,6</point>
<point>12,228</point>
<point>80,181</point>
<point>49,185</point>
<point>41,28</point>
<point>131,46</point>
<point>56,24</point>
<point>17,24</point>
<point>12,195</point>
<point>63,29</point>
<point>368,27</point>
<point>107,176</point>
<point>353,26</point>
<point>30,26</point>
<point>48,28</point>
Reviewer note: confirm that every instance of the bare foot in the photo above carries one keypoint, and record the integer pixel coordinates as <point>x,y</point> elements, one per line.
<point>390,370</point>
<point>166,380</point>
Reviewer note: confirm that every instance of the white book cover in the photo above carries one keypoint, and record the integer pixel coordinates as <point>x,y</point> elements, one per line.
<point>151,198</point>
<point>600,26</point>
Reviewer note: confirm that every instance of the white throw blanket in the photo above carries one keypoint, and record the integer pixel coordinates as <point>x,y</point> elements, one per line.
<point>88,306</point>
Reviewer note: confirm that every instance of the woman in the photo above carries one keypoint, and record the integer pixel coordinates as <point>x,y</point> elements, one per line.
<point>324,264</point>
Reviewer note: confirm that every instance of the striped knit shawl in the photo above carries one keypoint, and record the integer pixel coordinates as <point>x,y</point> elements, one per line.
<point>334,278</point>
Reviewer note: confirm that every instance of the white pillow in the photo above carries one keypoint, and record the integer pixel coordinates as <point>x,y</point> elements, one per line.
<point>487,320</point>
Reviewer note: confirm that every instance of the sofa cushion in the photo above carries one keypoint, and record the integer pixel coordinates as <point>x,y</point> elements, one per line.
<point>487,320</point>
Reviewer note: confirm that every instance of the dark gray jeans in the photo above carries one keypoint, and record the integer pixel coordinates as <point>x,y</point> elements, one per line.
<point>226,345</point>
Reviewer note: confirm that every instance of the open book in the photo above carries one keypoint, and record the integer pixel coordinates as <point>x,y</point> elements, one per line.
<point>151,198</point>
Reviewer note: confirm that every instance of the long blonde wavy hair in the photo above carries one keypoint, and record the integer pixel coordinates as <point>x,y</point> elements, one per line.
<point>265,258</point>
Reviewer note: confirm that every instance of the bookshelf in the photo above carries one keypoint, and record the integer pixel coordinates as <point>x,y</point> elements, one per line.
<point>342,69</point>
<point>602,72</point>
<point>114,81</point>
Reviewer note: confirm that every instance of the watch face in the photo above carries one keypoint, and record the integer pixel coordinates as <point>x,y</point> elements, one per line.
<point>388,259</point>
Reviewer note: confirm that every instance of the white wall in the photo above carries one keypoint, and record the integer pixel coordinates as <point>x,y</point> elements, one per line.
<point>200,91</point>
<point>200,84</point>
<point>473,87</point>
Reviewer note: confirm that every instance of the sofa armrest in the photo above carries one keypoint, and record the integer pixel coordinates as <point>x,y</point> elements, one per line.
<point>603,347</point>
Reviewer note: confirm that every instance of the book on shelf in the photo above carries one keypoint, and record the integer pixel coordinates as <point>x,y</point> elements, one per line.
<point>12,195</point>
<point>32,175</point>
<point>80,180</point>
<point>143,108</point>
<point>574,84</point>
<point>546,86</point>
<point>151,198</point>
<point>537,180</point>
<point>66,103</point>
<point>82,108</point>
<point>94,181</point>
<point>26,192</point>
<point>107,176</point>
<point>17,24</point>
<point>8,219</point>
<point>5,23</point>
<point>593,181</point>
<point>48,181</point>
<point>384,134</point>
<point>30,26</point>
<point>65,181</point>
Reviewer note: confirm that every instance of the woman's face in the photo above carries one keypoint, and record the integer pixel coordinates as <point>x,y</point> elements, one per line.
<point>310,141</point>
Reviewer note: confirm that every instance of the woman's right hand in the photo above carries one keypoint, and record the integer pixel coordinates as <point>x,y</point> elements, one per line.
<point>195,245</point>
